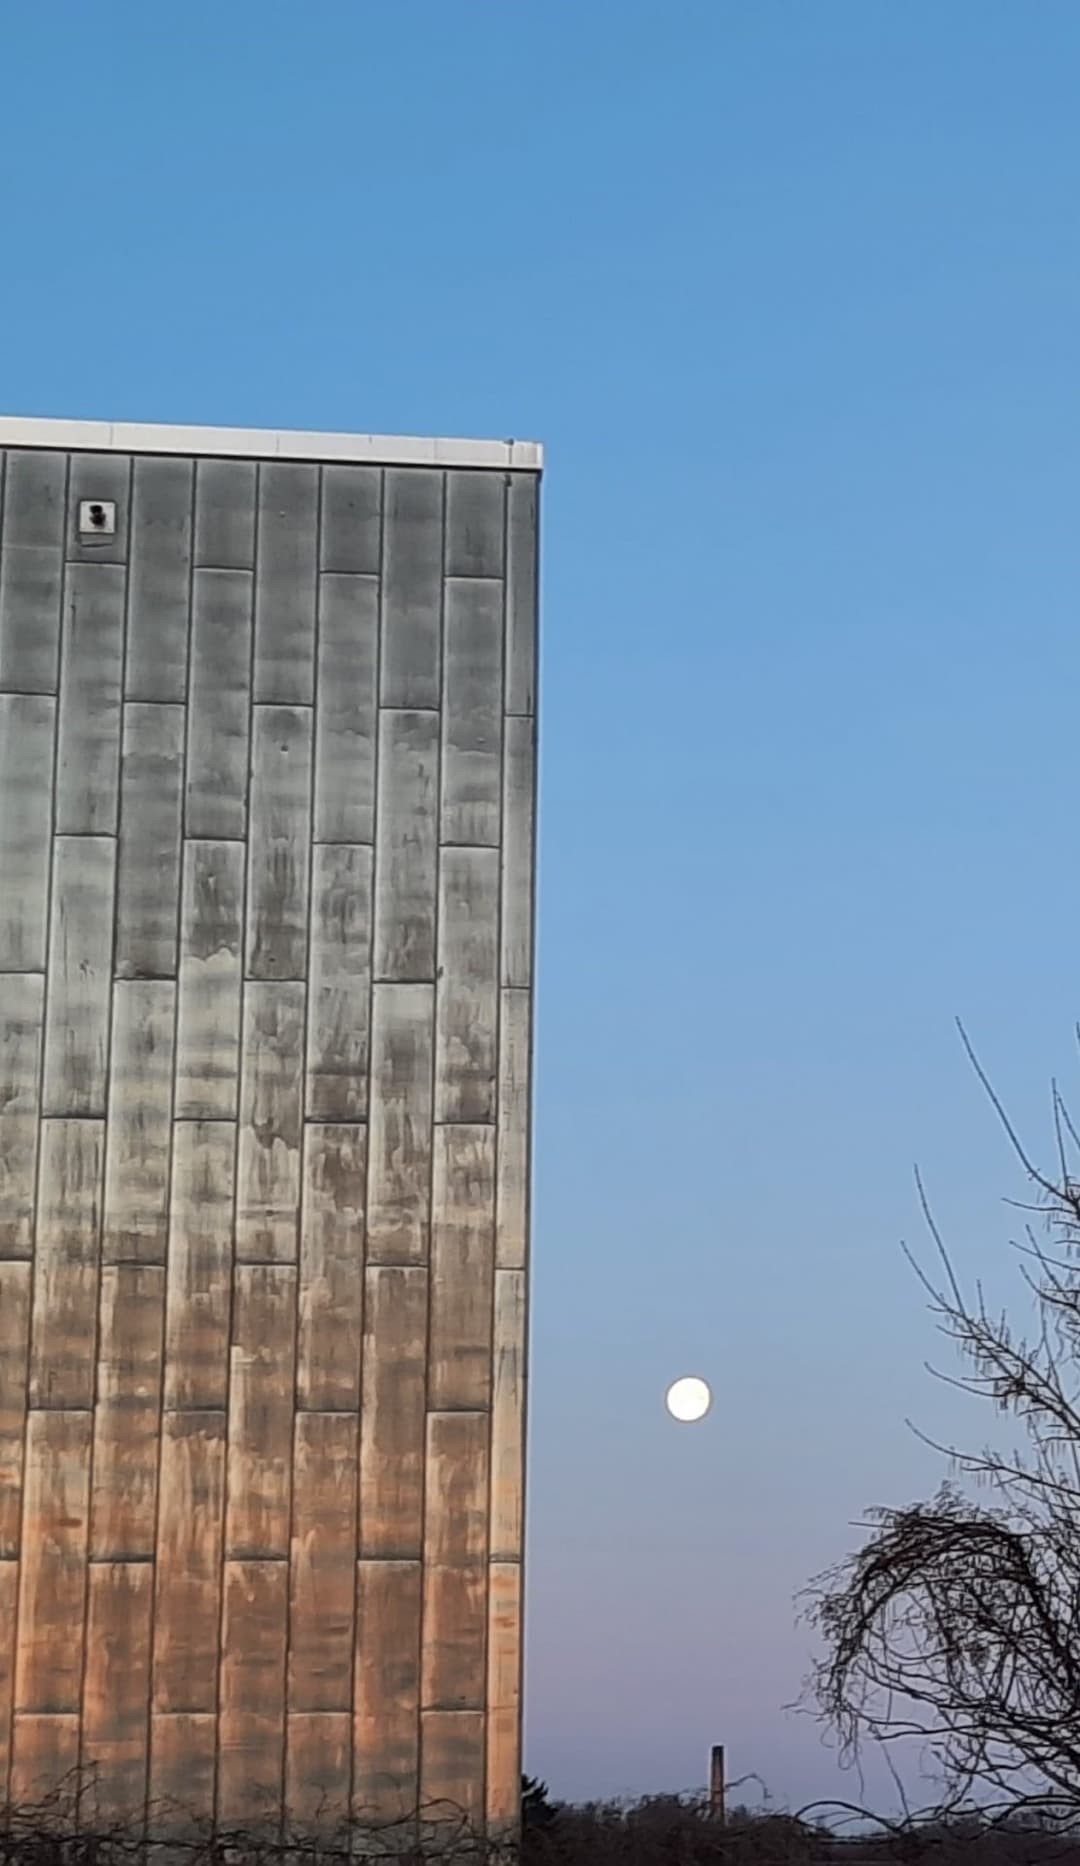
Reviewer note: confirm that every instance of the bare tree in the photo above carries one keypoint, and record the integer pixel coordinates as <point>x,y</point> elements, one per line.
<point>957,1623</point>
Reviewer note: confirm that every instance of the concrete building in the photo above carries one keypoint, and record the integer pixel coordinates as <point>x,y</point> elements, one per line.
<point>267,754</point>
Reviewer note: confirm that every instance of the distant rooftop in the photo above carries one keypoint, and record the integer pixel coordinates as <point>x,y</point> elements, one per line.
<point>137,437</point>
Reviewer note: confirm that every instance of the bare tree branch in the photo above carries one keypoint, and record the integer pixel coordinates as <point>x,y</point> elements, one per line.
<point>958,1623</point>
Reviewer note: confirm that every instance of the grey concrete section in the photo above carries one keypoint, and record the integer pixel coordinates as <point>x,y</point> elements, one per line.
<point>267,770</point>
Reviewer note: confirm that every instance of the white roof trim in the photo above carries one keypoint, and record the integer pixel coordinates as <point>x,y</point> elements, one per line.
<point>268,444</point>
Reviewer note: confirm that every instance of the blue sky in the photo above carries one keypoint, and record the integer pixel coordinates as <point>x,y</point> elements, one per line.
<point>791,294</point>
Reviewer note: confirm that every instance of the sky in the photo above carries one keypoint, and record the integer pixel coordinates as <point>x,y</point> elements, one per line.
<point>791,295</point>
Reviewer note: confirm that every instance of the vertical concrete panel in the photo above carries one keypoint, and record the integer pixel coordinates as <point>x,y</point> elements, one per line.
<point>261,1388</point>
<point>79,977</point>
<point>508,1415</point>
<point>399,1156</point>
<point>466,1005</point>
<point>503,1770</point>
<point>27,743</point>
<point>15,1302</point>
<point>455,1562</point>
<point>411,674</point>
<point>127,1414</point>
<point>462,1268</point>
<point>339,997</point>
<point>159,580</point>
<point>139,1121</point>
<point>115,1730</point>
<point>187,1574</point>
<point>9,1582</point>
<point>521,592</point>
<point>148,882</point>
<point>218,714</point>
<point>279,846</point>
<point>318,1774</point>
<point>346,709</point>
<point>475,523</point>
<point>472,714</point>
<point>406,831</point>
<point>208,1015</point>
<point>392,1413</point>
<point>323,1562</point>
<point>50,1634</point>
<point>285,572</point>
<point>32,570</point>
<point>351,528</point>
<point>183,1771</point>
<point>91,676</point>
<point>286,566</point>
<point>44,1756</point>
<point>331,1272</point>
<point>22,1002</point>
<point>251,1724</point>
<point>516,935</point>
<point>386,1766</point>
<point>271,1102</point>
<point>27,731</point>
<point>515,1065</point>
<point>199,1301</point>
<point>452,1773</point>
<point>225,514</point>
<point>67,1254</point>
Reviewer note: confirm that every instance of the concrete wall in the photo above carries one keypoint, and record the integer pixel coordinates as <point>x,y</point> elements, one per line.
<point>266,860</point>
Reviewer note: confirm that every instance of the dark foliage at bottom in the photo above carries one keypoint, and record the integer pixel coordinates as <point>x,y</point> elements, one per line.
<point>661,1830</point>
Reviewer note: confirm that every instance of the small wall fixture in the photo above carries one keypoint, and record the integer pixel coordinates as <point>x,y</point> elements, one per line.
<point>97,518</point>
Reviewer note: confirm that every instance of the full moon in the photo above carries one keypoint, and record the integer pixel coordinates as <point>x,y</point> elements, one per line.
<point>688,1399</point>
